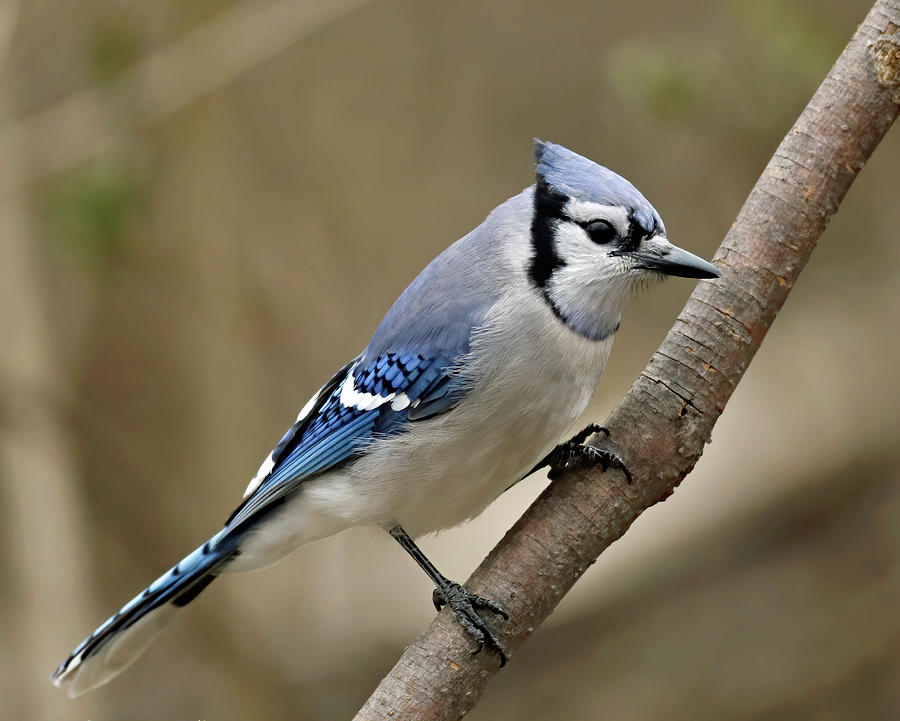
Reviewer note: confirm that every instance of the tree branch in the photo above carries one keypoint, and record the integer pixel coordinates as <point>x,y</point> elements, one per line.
<point>661,425</point>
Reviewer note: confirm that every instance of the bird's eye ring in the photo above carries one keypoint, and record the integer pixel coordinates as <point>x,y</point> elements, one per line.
<point>601,232</point>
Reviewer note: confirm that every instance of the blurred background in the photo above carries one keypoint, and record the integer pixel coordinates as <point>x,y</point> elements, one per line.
<point>206,207</point>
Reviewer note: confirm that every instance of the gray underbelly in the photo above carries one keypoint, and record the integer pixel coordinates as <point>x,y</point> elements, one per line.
<point>447,470</point>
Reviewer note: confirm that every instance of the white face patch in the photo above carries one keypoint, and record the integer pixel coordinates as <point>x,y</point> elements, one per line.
<point>590,288</point>
<point>575,247</point>
<point>585,211</point>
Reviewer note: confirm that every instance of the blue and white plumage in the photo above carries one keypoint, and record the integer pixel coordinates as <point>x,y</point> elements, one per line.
<point>472,377</point>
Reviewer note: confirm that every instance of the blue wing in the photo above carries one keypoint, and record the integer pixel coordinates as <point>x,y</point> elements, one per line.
<point>363,400</point>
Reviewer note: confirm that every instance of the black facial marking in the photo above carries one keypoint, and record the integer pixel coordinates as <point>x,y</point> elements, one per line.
<point>602,335</point>
<point>637,232</point>
<point>548,210</point>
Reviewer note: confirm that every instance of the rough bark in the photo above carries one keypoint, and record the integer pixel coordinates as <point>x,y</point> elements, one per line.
<point>662,424</point>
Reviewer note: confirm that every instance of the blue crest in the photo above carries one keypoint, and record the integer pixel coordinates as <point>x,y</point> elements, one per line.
<point>577,177</point>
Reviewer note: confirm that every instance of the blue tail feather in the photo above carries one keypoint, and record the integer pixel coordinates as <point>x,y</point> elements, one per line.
<point>121,638</point>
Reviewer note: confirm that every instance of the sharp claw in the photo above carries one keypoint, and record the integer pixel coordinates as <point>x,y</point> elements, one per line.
<point>616,462</point>
<point>463,604</point>
<point>437,600</point>
<point>497,612</point>
<point>605,459</point>
<point>574,454</point>
<point>486,603</point>
<point>502,654</point>
<point>593,428</point>
<point>500,612</point>
<point>498,649</point>
<point>589,430</point>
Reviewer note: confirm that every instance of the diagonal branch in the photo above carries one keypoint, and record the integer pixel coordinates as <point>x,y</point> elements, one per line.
<point>663,422</point>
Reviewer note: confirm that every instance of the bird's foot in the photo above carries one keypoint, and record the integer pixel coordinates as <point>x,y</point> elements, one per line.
<point>465,606</point>
<point>574,455</point>
<point>589,430</point>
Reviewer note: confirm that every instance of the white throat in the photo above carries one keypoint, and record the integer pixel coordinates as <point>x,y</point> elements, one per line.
<point>588,292</point>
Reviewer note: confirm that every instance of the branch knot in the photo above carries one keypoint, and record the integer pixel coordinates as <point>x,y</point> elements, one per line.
<point>885,54</point>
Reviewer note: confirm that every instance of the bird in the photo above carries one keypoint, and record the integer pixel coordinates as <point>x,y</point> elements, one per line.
<point>476,372</point>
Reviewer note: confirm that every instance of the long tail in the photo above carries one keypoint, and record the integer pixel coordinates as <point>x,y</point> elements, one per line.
<point>127,634</point>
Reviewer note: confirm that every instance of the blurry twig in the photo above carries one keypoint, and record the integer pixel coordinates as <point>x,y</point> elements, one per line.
<point>9,14</point>
<point>661,425</point>
<point>168,79</point>
<point>44,524</point>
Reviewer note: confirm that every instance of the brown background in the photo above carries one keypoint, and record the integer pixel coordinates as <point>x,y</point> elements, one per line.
<point>205,208</point>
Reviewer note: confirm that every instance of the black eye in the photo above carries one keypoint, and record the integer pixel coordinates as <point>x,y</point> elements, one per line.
<point>601,232</point>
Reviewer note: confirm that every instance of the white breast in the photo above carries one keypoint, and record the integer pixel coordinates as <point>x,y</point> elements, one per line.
<point>530,380</point>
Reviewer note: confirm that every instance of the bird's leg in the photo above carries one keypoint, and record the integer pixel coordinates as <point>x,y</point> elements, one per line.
<point>463,603</point>
<point>573,454</point>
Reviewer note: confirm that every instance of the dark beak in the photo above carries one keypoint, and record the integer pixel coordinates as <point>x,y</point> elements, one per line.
<point>672,260</point>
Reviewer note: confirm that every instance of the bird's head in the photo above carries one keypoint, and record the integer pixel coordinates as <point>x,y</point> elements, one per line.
<point>596,240</point>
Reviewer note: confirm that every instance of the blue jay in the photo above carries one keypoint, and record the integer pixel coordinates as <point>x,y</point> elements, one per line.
<point>468,383</point>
